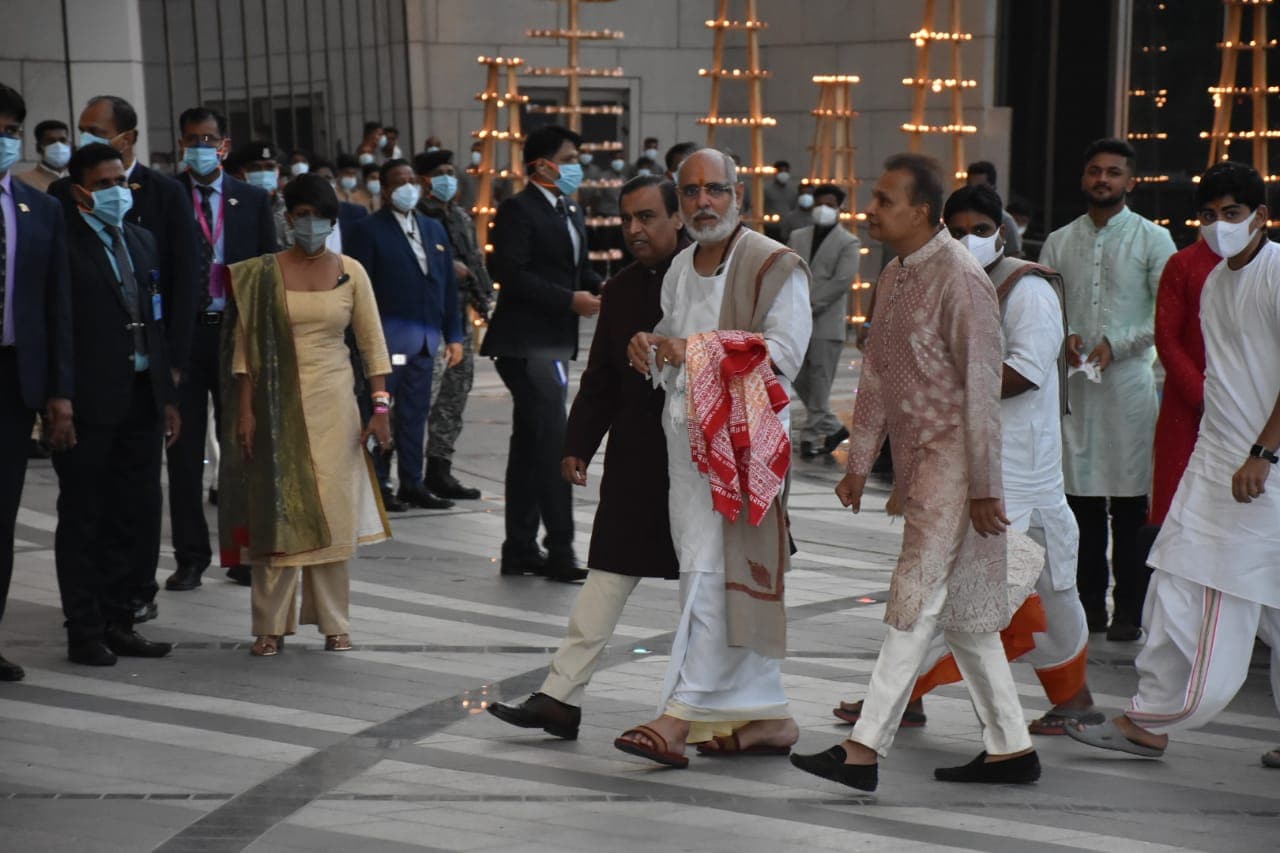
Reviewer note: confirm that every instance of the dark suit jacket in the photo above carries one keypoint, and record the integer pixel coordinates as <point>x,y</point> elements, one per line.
<point>104,342</point>
<point>349,214</point>
<point>533,265</point>
<point>417,310</point>
<point>41,298</point>
<point>250,229</point>
<point>162,205</point>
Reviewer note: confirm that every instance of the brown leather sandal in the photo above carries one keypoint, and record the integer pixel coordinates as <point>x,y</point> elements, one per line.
<point>653,747</point>
<point>267,646</point>
<point>337,643</point>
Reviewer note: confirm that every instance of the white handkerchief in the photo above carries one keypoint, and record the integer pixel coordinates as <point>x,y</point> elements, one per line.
<point>1089,369</point>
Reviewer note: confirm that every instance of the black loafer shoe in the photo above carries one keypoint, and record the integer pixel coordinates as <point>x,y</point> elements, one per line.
<point>830,765</point>
<point>127,642</point>
<point>1096,620</point>
<point>423,499</point>
<point>145,612</point>
<point>807,451</point>
<point>186,577</point>
<point>563,568</point>
<point>10,671</point>
<point>540,711</point>
<point>91,653</point>
<point>1123,632</point>
<point>242,575</point>
<point>529,563</point>
<point>835,440</point>
<point>1023,770</point>
<point>391,503</point>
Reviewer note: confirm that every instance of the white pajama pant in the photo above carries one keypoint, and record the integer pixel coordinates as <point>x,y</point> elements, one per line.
<point>594,617</point>
<point>1196,658</point>
<point>981,660</point>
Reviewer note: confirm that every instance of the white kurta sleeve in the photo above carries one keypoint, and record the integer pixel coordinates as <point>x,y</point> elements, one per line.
<point>1032,329</point>
<point>789,324</point>
<point>667,296</point>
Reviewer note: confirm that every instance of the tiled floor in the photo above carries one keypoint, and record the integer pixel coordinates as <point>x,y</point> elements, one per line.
<point>387,748</point>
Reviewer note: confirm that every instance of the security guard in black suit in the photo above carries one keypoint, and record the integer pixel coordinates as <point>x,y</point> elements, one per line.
<point>109,480</point>
<point>234,222</point>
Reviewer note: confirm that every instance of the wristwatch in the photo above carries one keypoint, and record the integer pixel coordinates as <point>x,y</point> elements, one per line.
<point>1262,453</point>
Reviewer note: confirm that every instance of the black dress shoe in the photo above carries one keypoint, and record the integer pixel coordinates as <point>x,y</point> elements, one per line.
<point>563,568</point>
<point>830,765</point>
<point>1123,631</point>
<point>186,577</point>
<point>441,482</point>
<point>526,563</point>
<point>145,612</point>
<point>540,711</point>
<point>91,653</point>
<point>127,642</point>
<point>807,451</point>
<point>391,503</point>
<point>1096,619</point>
<point>835,440</point>
<point>242,575</point>
<point>423,499</point>
<point>1023,770</point>
<point>10,671</point>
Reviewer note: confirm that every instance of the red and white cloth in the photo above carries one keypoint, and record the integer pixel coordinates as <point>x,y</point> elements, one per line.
<point>736,437</point>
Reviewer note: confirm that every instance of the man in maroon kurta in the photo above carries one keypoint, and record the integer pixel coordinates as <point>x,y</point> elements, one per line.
<point>631,537</point>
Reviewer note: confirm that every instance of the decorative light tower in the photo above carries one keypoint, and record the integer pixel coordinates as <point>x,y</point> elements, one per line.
<point>573,109</point>
<point>753,75</point>
<point>490,134</point>
<point>833,161</point>
<point>1225,93</point>
<point>955,84</point>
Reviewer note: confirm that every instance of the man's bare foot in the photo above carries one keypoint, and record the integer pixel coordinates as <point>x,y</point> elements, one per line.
<point>856,753</point>
<point>1139,735</point>
<point>675,731</point>
<point>780,733</point>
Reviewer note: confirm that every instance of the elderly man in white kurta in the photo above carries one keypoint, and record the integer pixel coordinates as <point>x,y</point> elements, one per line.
<point>1111,260</point>
<point>723,687</point>
<point>1216,583</point>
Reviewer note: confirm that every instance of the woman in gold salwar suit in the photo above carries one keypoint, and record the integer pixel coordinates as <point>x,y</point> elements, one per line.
<point>297,490</point>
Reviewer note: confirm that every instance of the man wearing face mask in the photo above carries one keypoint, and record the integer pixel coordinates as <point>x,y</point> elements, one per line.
<point>802,215</point>
<point>539,261</point>
<point>451,385</point>
<point>53,146</point>
<point>234,221</point>
<point>372,179</point>
<point>779,199</point>
<point>373,144</point>
<point>984,172</point>
<point>1111,260</point>
<point>162,206</point>
<point>299,163</point>
<point>417,296</point>
<point>833,255</point>
<point>350,188</point>
<point>256,165</point>
<point>651,150</point>
<point>109,480</point>
<point>1216,580</point>
<point>36,348</point>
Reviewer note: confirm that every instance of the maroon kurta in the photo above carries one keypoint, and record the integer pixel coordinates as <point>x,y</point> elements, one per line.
<point>632,530</point>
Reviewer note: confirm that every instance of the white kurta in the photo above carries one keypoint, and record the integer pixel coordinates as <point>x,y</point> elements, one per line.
<point>1208,537</point>
<point>1031,452</point>
<point>1111,274</point>
<point>707,679</point>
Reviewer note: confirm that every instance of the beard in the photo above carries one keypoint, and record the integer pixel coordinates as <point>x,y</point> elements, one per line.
<point>1108,201</point>
<point>716,231</point>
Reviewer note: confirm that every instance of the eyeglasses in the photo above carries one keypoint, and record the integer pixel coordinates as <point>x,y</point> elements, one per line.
<point>715,190</point>
<point>203,139</point>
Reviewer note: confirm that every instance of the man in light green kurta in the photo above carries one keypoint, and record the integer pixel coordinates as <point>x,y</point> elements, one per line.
<point>1110,259</point>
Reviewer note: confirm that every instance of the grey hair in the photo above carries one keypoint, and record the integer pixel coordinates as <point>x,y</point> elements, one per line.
<point>730,167</point>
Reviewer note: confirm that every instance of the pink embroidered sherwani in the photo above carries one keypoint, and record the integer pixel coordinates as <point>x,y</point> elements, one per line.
<point>931,380</point>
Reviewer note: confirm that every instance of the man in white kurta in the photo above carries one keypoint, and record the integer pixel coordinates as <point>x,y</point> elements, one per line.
<point>1111,260</point>
<point>711,688</point>
<point>1216,580</point>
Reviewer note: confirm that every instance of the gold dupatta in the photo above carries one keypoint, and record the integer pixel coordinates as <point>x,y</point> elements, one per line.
<point>270,506</point>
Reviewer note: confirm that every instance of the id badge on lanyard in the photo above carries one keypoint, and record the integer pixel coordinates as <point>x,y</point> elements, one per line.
<point>217,272</point>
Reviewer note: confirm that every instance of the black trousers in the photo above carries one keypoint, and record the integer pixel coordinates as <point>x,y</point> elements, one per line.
<point>535,490</point>
<point>1128,554</point>
<point>16,421</point>
<point>186,457</point>
<point>108,489</point>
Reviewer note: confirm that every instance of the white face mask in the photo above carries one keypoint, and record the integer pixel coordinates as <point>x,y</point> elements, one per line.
<point>651,153</point>
<point>1227,239</point>
<point>825,214</point>
<point>983,248</point>
<point>805,200</point>
<point>782,177</point>
<point>476,157</point>
<point>300,168</point>
<point>1022,230</point>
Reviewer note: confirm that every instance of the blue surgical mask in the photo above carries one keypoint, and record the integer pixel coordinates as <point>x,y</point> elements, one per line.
<point>202,159</point>
<point>570,178</point>
<point>404,197</point>
<point>365,159</point>
<point>618,164</point>
<point>382,141</point>
<point>110,205</point>
<point>57,155</point>
<point>349,182</point>
<point>268,180</point>
<point>87,138</point>
<point>643,172</point>
<point>585,159</point>
<point>444,187</point>
<point>374,187</point>
<point>311,232</point>
<point>10,151</point>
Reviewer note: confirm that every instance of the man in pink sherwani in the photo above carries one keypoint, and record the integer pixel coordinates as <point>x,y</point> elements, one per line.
<point>931,381</point>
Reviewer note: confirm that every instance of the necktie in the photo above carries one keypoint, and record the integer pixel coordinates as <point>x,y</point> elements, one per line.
<point>206,247</point>
<point>129,288</point>
<point>3,264</point>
